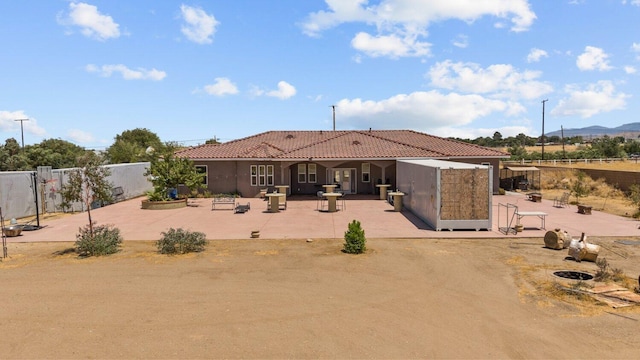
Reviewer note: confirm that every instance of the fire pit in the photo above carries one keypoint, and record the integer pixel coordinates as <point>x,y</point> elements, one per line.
<point>13,230</point>
<point>573,275</point>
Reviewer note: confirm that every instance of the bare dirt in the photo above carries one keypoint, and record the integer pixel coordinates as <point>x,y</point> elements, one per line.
<point>404,298</point>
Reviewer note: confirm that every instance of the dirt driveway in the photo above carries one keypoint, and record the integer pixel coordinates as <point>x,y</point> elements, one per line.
<point>288,298</point>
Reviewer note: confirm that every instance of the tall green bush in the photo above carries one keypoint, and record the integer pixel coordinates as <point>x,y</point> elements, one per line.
<point>354,239</point>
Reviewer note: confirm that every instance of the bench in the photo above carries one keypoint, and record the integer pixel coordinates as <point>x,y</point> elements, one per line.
<point>539,214</point>
<point>223,201</point>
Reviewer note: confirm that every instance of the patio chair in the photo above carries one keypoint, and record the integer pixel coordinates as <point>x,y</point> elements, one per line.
<point>320,200</point>
<point>342,205</point>
<point>561,201</point>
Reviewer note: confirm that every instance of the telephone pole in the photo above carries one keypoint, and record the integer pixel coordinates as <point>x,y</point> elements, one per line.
<point>22,130</point>
<point>542,138</point>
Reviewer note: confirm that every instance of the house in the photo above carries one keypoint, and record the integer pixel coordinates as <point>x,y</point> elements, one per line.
<point>355,160</point>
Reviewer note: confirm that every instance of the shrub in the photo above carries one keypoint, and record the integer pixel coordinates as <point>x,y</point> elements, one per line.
<point>181,242</point>
<point>105,240</point>
<point>354,240</point>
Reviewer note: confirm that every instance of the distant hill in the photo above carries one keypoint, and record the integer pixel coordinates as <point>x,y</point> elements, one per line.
<point>631,130</point>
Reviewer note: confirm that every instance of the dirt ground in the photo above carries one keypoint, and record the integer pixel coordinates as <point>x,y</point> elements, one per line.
<point>404,298</point>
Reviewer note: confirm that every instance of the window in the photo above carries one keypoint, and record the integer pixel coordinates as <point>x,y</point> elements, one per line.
<point>202,169</point>
<point>366,172</point>
<point>312,173</point>
<point>254,175</point>
<point>302,173</point>
<point>270,175</point>
<point>261,175</point>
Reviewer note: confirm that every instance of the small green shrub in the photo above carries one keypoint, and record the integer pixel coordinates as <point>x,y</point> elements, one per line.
<point>354,240</point>
<point>106,240</point>
<point>179,241</point>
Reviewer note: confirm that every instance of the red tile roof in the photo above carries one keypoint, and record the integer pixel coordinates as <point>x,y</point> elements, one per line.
<point>371,144</point>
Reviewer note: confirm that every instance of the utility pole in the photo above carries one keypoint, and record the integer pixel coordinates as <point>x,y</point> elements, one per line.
<point>334,116</point>
<point>562,134</point>
<point>542,138</point>
<point>22,130</point>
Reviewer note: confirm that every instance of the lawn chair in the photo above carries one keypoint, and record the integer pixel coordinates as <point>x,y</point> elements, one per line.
<point>320,200</point>
<point>561,201</point>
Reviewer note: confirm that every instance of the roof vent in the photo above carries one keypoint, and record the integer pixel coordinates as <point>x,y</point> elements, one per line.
<point>356,142</point>
<point>290,136</point>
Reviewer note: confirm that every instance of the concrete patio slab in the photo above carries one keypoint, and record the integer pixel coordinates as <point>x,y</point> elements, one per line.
<point>302,220</point>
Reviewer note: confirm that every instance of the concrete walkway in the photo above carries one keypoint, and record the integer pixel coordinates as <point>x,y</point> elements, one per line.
<point>301,220</point>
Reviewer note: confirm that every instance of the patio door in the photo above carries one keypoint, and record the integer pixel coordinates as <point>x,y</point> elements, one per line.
<point>346,178</point>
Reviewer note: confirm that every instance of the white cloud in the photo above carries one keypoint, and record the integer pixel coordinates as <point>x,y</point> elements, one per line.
<point>222,86</point>
<point>632,2</point>
<point>593,58</point>
<point>461,41</point>
<point>474,133</point>
<point>389,45</point>
<point>536,54</point>
<point>400,24</point>
<point>594,99</point>
<point>635,47</point>
<point>8,123</point>
<point>419,110</point>
<point>630,70</point>
<point>199,26</point>
<point>91,22</point>
<point>80,136</point>
<point>499,80</point>
<point>285,91</point>
<point>127,74</point>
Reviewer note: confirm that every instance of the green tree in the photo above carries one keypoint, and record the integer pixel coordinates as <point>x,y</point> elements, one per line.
<point>12,158</point>
<point>580,188</point>
<point>167,171</point>
<point>137,145</point>
<point>56,153</point>
<point>354,239</point>
<point>87,184</point>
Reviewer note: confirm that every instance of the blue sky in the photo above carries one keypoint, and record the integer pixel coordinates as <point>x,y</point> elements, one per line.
<point>85,71</point>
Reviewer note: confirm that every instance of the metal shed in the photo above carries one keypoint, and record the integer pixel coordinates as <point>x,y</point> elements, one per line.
<point>446,194</point>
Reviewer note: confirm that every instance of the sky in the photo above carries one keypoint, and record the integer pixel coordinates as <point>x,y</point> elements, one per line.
<point>189,71</point>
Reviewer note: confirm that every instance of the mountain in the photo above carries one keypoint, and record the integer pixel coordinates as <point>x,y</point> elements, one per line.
<point>626,130</point>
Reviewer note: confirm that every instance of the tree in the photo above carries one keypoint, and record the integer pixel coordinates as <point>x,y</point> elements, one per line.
<point>580,188</point>
<point>167,171</point>
<point>56,153</point>
<point>354,239</point>
<point>87,184</point>
<point>137,145</point>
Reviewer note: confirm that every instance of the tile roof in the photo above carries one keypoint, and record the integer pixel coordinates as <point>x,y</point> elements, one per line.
<point>341,144</point>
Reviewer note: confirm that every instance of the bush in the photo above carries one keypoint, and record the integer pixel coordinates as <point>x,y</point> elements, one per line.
<point>106,240</point>
<point>181,242</point>
<point>354,240</point>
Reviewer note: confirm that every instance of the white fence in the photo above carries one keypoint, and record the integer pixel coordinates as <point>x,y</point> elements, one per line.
<point>20,191</point>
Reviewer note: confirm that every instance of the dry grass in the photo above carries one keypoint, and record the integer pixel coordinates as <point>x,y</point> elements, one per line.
<point>602,196</point>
